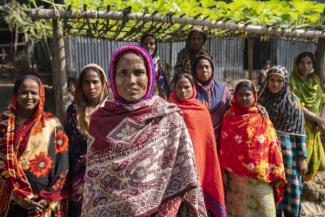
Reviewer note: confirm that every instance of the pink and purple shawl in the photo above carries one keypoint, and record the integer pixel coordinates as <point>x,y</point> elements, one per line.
<point>140,158</point>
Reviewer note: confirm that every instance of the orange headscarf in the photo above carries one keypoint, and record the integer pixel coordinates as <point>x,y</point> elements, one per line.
<point>249,146</point>
<point>198,121</point>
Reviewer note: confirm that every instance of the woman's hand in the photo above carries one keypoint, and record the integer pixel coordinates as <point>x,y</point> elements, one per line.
<point>320,124</point>
<point>302,166</point>
<point>38,207</point>
<point>32,206</point>
<point>263,111</point>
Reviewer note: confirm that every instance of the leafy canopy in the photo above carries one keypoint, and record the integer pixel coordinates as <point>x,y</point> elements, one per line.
<point>302,14</point>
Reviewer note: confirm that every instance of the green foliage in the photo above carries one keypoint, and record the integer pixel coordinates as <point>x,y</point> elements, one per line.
<point>276,13</point>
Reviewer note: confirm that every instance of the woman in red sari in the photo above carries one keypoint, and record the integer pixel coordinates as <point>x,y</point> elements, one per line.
<point>250,154</point>
<point>140,159</point>
<point>33,155</point>
<point>196,115</point>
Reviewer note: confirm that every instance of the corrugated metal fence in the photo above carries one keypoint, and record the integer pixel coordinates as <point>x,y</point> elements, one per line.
<point>228,54</point>
<point>285,51</point>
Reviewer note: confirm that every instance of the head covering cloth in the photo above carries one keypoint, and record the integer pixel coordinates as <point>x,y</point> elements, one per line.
<point>283,107</point>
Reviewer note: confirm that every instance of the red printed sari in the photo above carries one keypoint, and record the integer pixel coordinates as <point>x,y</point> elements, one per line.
<point>33,161</point>
<point>199,124</point>
<point>249,147</point>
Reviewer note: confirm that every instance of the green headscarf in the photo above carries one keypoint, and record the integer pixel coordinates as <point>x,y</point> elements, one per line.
<point>309,91</point>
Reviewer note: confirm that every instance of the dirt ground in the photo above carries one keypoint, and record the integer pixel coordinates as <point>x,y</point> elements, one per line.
<point>314,197</point>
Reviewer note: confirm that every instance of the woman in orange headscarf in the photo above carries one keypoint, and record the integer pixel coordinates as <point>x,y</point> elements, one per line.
<point>250,154</point>
<point>198,121</point>
<point>33,155</point>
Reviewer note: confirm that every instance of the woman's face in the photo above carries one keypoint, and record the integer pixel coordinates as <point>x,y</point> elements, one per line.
<point>92,86</point>
<point>196,41</point>
<point>131,77</point>
<point>305,66</point>
<point>28,95</point>
<point>149,43</point>
<point>203,70</point>
<point>275,83</point>
<point>245,97</point>
<point>184,89</point>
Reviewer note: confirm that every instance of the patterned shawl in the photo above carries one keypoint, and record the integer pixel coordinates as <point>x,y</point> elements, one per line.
<point>81,104</point>
<point>23,160</point>
<point>283,107</point>
<point>309,92</point>
<point>140,157</point>
<point>77,148</point>
<point>249,146</point>
<point>205,150</point>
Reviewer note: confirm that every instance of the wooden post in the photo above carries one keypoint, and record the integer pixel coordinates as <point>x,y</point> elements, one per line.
<point>250,42</point>
<point>319,61</point>
<point>59,71</point>
<point>171,57</point>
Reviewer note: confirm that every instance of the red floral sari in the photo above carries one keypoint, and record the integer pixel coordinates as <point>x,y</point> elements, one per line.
<point>33,161</point>
<point>249,147</point>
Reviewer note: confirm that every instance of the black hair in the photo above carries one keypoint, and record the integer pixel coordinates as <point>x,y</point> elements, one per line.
<point>200,57</point>
<point>245,84</point>
<point>204,36</point>
<point>179,76</point>
<point>20,79</point>
<point>306,54</point>
<point>72,80</point>
<point>144,36</point>
<point>267,62</point>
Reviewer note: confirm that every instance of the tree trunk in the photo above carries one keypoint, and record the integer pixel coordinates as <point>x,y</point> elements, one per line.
<point>59,71</point>
<point>320,59</point>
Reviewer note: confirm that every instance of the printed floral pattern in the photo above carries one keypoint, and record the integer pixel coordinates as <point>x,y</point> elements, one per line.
<point>60,182</point>
<point>61,142</point>
<point>238,139</point>
<point>41,165</point>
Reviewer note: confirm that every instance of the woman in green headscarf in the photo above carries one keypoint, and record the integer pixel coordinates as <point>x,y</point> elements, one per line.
<point>306,84</point>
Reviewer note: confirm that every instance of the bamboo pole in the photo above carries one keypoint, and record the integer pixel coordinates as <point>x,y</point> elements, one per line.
<point>59,72</point>
<point>250,42</point>
<point>320,59</point>
<point>92,14</point>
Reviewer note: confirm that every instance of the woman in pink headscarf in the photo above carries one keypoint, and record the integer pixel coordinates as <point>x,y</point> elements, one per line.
<point>140,159</point>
